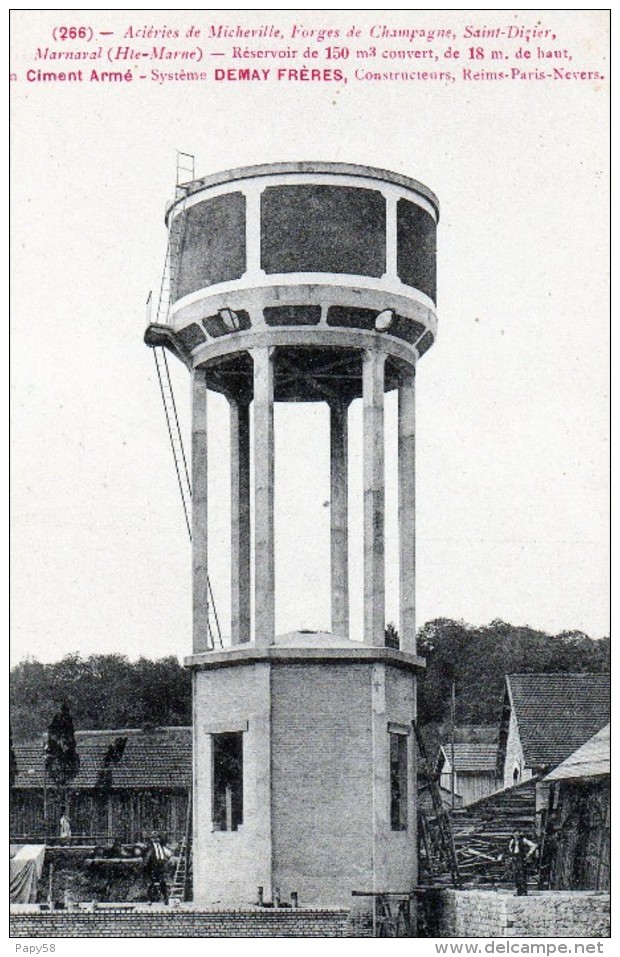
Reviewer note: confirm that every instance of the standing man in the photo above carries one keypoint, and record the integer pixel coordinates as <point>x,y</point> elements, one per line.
<point>155,860</point>
<point>521,850</point>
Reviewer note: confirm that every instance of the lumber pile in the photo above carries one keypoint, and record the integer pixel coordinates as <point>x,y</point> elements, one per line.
<point>482,832</point>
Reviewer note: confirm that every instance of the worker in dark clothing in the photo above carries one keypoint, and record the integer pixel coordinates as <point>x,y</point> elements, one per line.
<point>155,860</point>
<point>521,850</point>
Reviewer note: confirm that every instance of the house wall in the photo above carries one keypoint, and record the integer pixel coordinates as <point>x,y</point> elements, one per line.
<point>476,785</point>
<point>126,816</point>
<point>514,756</point>
<point>471,786</point>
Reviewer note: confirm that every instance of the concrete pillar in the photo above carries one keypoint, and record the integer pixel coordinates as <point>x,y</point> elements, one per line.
<point>240,520</point>
<point>374,499</point>
<point>339,517</point>
<point>264,558</point>
<point>200,586</point>
<point>406,508</point>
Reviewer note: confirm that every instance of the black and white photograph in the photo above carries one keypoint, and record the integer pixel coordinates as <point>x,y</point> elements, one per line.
<point>310,477</point>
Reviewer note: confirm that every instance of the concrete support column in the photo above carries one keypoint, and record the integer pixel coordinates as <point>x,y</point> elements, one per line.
<point>339,442</point>
<point>406,508</point>
<point>200,580</point>
<point>240,520</point>
<point>264,544</point>
<point>374,499</point>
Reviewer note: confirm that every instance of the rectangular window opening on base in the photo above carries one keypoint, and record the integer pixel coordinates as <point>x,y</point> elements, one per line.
<point>227,780</point>
<point>398,781</point>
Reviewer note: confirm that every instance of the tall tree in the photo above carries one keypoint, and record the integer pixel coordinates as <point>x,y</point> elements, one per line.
<point>392,638</point>
<point>62,761</point>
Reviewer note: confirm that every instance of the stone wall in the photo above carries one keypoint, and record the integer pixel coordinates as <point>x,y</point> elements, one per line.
<point>145,921</point>
<point>471,913</point>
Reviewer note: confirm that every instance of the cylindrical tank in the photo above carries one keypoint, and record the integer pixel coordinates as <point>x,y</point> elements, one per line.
<point>298,254</point>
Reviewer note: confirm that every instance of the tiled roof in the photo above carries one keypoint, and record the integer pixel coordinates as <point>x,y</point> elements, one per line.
<point>161,758</point>
<point>472,757</point>
<point>591,760</point>
<point>557,713</point>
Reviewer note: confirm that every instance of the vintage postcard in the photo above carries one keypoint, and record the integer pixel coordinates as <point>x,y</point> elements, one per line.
<point>309,330</point>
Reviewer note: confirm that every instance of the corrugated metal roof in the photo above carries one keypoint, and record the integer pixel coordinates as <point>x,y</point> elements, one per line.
<point>161,758</point>
<point>591,760</point>
<point>557,713</point>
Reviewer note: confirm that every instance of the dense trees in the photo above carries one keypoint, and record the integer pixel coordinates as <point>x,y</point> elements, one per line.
<point>103,691</point>
<point>477,658</point>
<point>109,691</point>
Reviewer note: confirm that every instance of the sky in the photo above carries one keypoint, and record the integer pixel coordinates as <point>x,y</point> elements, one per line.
<point>512,400</point>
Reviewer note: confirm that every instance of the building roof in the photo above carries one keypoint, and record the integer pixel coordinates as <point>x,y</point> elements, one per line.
<point>469,758</point>
<point>557,713</point>
<point>161,758</point>
<point>591,760</point>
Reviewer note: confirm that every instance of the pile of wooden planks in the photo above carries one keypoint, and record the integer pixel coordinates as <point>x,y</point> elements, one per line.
<point>482,832</point>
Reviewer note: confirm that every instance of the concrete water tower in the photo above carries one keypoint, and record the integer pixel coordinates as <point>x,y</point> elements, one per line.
<point>302,282</point>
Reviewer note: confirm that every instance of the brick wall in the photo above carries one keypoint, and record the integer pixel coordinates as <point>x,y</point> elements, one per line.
<point>229,866</point>
<point>472,913</point>
<point>322,781</point>
<point>316,782</point>
<point>145,921</point>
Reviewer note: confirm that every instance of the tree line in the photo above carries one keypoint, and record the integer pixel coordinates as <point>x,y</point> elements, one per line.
<point>110,691</point>
<point>101,691</point>
<point>476,659</point>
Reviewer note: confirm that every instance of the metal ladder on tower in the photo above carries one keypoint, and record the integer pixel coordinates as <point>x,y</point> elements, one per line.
<point>442,817</point>
<point>176,232</point>
<point>185,165</point>
<point>180,881</point>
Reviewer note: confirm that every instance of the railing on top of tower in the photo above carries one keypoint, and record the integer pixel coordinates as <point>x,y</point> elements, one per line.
<point>185,165</point>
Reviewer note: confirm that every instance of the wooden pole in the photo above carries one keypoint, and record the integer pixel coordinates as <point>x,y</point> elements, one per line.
<point>452,768</point>
<point>50,888</point>
<point>45,789</point>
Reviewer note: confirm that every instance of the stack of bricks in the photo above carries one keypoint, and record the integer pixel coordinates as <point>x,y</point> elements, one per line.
<point>145,921</point>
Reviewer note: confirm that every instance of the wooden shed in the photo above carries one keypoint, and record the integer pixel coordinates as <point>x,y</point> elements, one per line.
<point>577,836</point>
<point>475,770</point>
<point>131,782</point>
